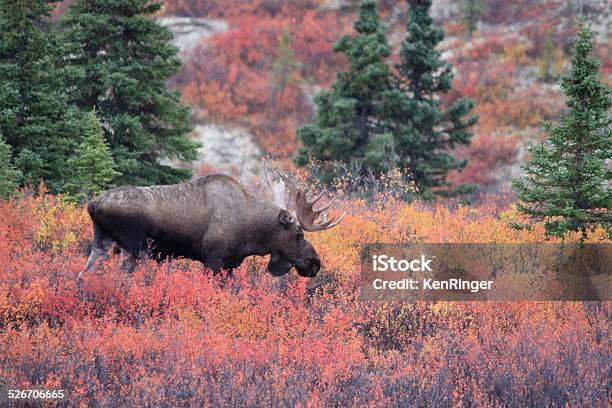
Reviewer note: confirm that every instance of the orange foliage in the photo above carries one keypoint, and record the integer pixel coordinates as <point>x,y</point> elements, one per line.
<point>232,8</point>
<point>171,334</point>
<point>487,156</point>
<point>229,78</point>
<point>500,109</point>
<point>500,11</point>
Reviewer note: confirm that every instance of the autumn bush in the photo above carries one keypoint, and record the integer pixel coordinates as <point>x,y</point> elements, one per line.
<point>171,333</point>
<point>231,77</point>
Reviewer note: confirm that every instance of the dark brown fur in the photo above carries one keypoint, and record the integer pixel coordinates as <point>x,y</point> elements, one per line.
<point>212,219</point>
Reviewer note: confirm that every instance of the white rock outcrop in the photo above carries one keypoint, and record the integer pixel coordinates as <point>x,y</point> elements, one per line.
<point>226,148</point>
<point>190,31</point>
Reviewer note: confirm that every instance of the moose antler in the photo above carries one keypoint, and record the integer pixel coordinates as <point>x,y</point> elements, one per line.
<point>277,187</point>
<point>306,214</point>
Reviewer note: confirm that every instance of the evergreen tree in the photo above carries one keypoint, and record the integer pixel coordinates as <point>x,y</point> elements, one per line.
<point>424,130</point>
<point>547,59</point>
<point>347,125</point>
<point>567,182</point>
<point>35,116</point>
<point>92,166</point>
<point>121,58</point>
<point>285,69</point>
<point>472,10</point>
<point>9,176</point>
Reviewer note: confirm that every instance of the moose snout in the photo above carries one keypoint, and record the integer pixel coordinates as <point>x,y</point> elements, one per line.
<point>309,267</point>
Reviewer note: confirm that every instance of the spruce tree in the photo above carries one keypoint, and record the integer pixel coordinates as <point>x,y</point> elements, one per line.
<point>9,176</point>
<point>546,62</point>
<point>424,130</point>
<point>121,59</point>
<point>285,69</point>
<point>36,119</point>
<point>92,165</point>
<point>567,181</point>
<point>347,126</point>
<point>472,10</point>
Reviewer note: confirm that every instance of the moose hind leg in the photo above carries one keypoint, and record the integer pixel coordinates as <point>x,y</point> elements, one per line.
<point>100,247</point>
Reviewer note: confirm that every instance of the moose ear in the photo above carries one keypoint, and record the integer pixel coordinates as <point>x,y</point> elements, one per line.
<point>285,219</point>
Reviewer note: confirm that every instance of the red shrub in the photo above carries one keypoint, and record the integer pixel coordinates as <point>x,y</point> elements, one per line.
<point>171,334</point>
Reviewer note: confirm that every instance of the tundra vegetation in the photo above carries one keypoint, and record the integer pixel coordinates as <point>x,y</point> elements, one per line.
<point>171,333</point>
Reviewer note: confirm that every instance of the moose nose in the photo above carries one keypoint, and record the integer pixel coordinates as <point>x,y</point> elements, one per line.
<point>316,263</point>
<point>309,267</point>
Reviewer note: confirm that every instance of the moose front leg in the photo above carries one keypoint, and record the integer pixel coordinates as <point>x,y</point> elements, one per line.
<point>128,261</point>
<point>214,262</point>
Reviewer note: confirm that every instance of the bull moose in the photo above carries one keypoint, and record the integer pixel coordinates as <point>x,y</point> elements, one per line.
<point>213,220</point>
